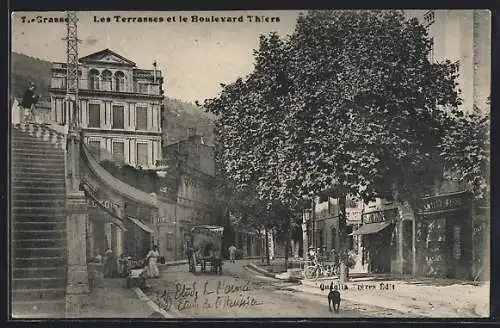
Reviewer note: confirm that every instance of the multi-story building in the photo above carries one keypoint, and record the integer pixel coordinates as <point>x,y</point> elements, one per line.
<point>464,38</point>
<point>120,107</point>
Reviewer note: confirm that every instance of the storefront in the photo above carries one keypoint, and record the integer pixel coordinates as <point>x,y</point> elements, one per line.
<point>444,236</point>
<point>139,237</point>
<point>105,226</point>
<point>378,240</point>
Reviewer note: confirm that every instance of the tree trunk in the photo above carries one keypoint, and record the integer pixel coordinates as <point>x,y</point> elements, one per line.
<point>287,244</point>
<point>261,245</point>
<point>344,269</point>
<point>267,247</point>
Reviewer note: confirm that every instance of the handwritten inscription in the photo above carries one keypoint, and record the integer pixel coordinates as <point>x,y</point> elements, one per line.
<point>196,295</point>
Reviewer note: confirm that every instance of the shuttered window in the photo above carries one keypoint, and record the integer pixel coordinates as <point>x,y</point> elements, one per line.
<point>118,151</point>
<point>142,154</point>
<point>94,115</point>
<point>118,117</point>
<point>141,118</point>
<point>170,241</point>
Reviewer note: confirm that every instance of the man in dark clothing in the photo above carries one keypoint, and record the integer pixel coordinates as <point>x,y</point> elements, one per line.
<point>29,101</point>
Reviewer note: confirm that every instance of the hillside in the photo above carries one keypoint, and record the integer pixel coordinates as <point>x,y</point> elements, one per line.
<point>180,118</point>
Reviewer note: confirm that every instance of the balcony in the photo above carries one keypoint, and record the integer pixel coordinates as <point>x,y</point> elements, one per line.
<point>138,88</point>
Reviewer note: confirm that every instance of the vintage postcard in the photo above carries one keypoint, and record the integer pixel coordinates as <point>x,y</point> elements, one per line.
<point>250,164</point>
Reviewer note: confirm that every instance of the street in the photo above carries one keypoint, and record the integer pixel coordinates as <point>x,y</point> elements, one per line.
<point>239,293</point>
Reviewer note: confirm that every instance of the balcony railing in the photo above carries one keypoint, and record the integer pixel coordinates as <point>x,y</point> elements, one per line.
<point>147,89</point>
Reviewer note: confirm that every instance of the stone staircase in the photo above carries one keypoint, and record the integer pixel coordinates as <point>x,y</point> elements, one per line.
<point>38,223</point>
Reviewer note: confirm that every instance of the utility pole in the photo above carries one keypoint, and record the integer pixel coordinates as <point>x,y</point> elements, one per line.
<point>73,114</point>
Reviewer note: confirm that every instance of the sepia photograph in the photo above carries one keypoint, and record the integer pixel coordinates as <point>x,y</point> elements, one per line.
<point>250,164</point>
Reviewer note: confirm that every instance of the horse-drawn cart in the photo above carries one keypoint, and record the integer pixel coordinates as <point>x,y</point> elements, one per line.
<point>205,247</point>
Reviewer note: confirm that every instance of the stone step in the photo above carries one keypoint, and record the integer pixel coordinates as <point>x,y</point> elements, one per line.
<point>19,181</point>
<point>35,215</point>
<point>31,252</point>
<point>38,234</point>
<point>38,189</point>
<point>38,282</point>
<point>38,146</point>
<point>38,309</point>
<point>40,225</point>
<point>50,202</point>
<point>35,160</point>
<point>37,295</point>
<point>40,164</point>
<point>28,155</point>
<point>58,271</point>
<point>39,262</point>
<point>28,169</point>
<point>34,196</point>
<point>38,242</point>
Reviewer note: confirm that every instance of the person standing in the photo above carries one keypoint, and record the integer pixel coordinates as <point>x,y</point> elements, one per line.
<point>151,260</point>
<point>232,253</point>
<point>28,103</point>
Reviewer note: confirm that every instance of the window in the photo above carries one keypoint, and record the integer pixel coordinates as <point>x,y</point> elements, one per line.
<point>142,154</point>
<point>118,117</point>
<point>431,51</point>
<point>429,17</point>
<point>119,81</point>
<point>95,149</point>
<point>142,88</point>
<point>94,115</point>
<point>141,118</point>
<point>118,151</point>
<point>94,79</point>
<point>106,80</point>
<point>170,241</point>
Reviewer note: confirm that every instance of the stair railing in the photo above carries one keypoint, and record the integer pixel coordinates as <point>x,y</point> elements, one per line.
<point>55,134</point>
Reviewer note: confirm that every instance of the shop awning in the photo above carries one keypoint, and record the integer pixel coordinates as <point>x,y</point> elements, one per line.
<point>141,225</point>
<point>370,228</point>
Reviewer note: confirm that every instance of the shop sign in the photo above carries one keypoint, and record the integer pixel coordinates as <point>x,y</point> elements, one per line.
<point>380,216</point>
<point>162,219</point>
<point>105,203</point>
<point>443,203</point>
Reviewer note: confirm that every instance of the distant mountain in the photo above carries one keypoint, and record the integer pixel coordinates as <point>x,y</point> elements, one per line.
<point>26,69</point>
<point>180,118</point>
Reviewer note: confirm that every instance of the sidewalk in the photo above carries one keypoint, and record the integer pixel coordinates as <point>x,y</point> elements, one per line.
<point>422,297</point>
<point>114,300</point>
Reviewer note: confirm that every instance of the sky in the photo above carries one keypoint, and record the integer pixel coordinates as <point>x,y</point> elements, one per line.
<point>194,57</point>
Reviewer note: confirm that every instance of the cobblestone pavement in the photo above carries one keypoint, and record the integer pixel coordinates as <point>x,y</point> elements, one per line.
<point>240,293</point>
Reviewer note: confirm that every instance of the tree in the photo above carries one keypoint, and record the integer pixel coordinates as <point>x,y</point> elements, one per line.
<point>465,150</point>
<point>348,103</point>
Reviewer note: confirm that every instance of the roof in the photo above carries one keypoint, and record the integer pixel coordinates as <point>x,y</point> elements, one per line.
<point>370,228</point>
<point>107,55</point>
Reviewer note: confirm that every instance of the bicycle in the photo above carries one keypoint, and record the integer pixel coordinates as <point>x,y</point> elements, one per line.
<point>319,270</point>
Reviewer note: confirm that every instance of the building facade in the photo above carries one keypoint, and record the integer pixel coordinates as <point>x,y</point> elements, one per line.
<point>455,233</point>
<point>463,37</point>
<point>120,107</point>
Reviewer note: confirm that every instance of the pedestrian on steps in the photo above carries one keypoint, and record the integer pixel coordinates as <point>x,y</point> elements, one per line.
<point>28,103</point>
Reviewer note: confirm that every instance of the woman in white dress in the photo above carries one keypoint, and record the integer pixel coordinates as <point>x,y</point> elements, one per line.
<point>151,259</point>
